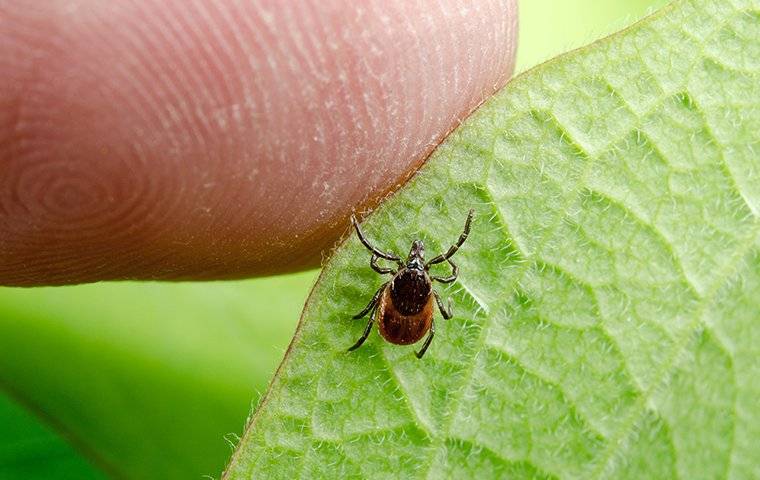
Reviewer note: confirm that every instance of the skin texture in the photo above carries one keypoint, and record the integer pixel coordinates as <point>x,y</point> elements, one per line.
<point>151,139</point>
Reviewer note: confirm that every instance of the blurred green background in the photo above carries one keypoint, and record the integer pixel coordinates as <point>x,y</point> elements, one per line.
<point>154,380</point>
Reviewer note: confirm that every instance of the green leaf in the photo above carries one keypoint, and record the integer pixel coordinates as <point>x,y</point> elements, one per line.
<point>606,317</point>
<point>30,450</point>
<point>152,381</point>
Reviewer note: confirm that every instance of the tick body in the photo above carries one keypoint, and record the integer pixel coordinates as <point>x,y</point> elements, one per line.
<point>403,307</point>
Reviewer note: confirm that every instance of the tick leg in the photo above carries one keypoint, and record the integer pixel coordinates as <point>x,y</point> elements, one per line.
<point>446,312</point>
<point>427,341</point>
<point>450,278</point>
<point>453,249</point>
<point>388,256</point>
<point>378,268</point>
<point>372,302</point>
<point>367,329</point>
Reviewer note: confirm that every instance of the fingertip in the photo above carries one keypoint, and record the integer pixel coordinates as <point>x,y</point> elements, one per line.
<point>173,139</point>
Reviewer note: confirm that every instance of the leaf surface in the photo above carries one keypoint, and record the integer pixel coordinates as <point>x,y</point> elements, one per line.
<point>606,316</point>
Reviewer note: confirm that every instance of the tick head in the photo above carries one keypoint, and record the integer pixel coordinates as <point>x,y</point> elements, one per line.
<point>416,256</point>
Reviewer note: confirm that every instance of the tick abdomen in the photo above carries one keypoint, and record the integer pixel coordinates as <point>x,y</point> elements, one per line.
<point>403,329</point>
<point>410,291</point>
<point>406,308</point>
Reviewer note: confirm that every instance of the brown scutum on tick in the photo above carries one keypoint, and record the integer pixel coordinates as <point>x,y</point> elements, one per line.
<point>403,307</point>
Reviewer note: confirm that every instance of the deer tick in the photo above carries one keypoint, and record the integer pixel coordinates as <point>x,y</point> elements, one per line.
<point>403,306</point>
